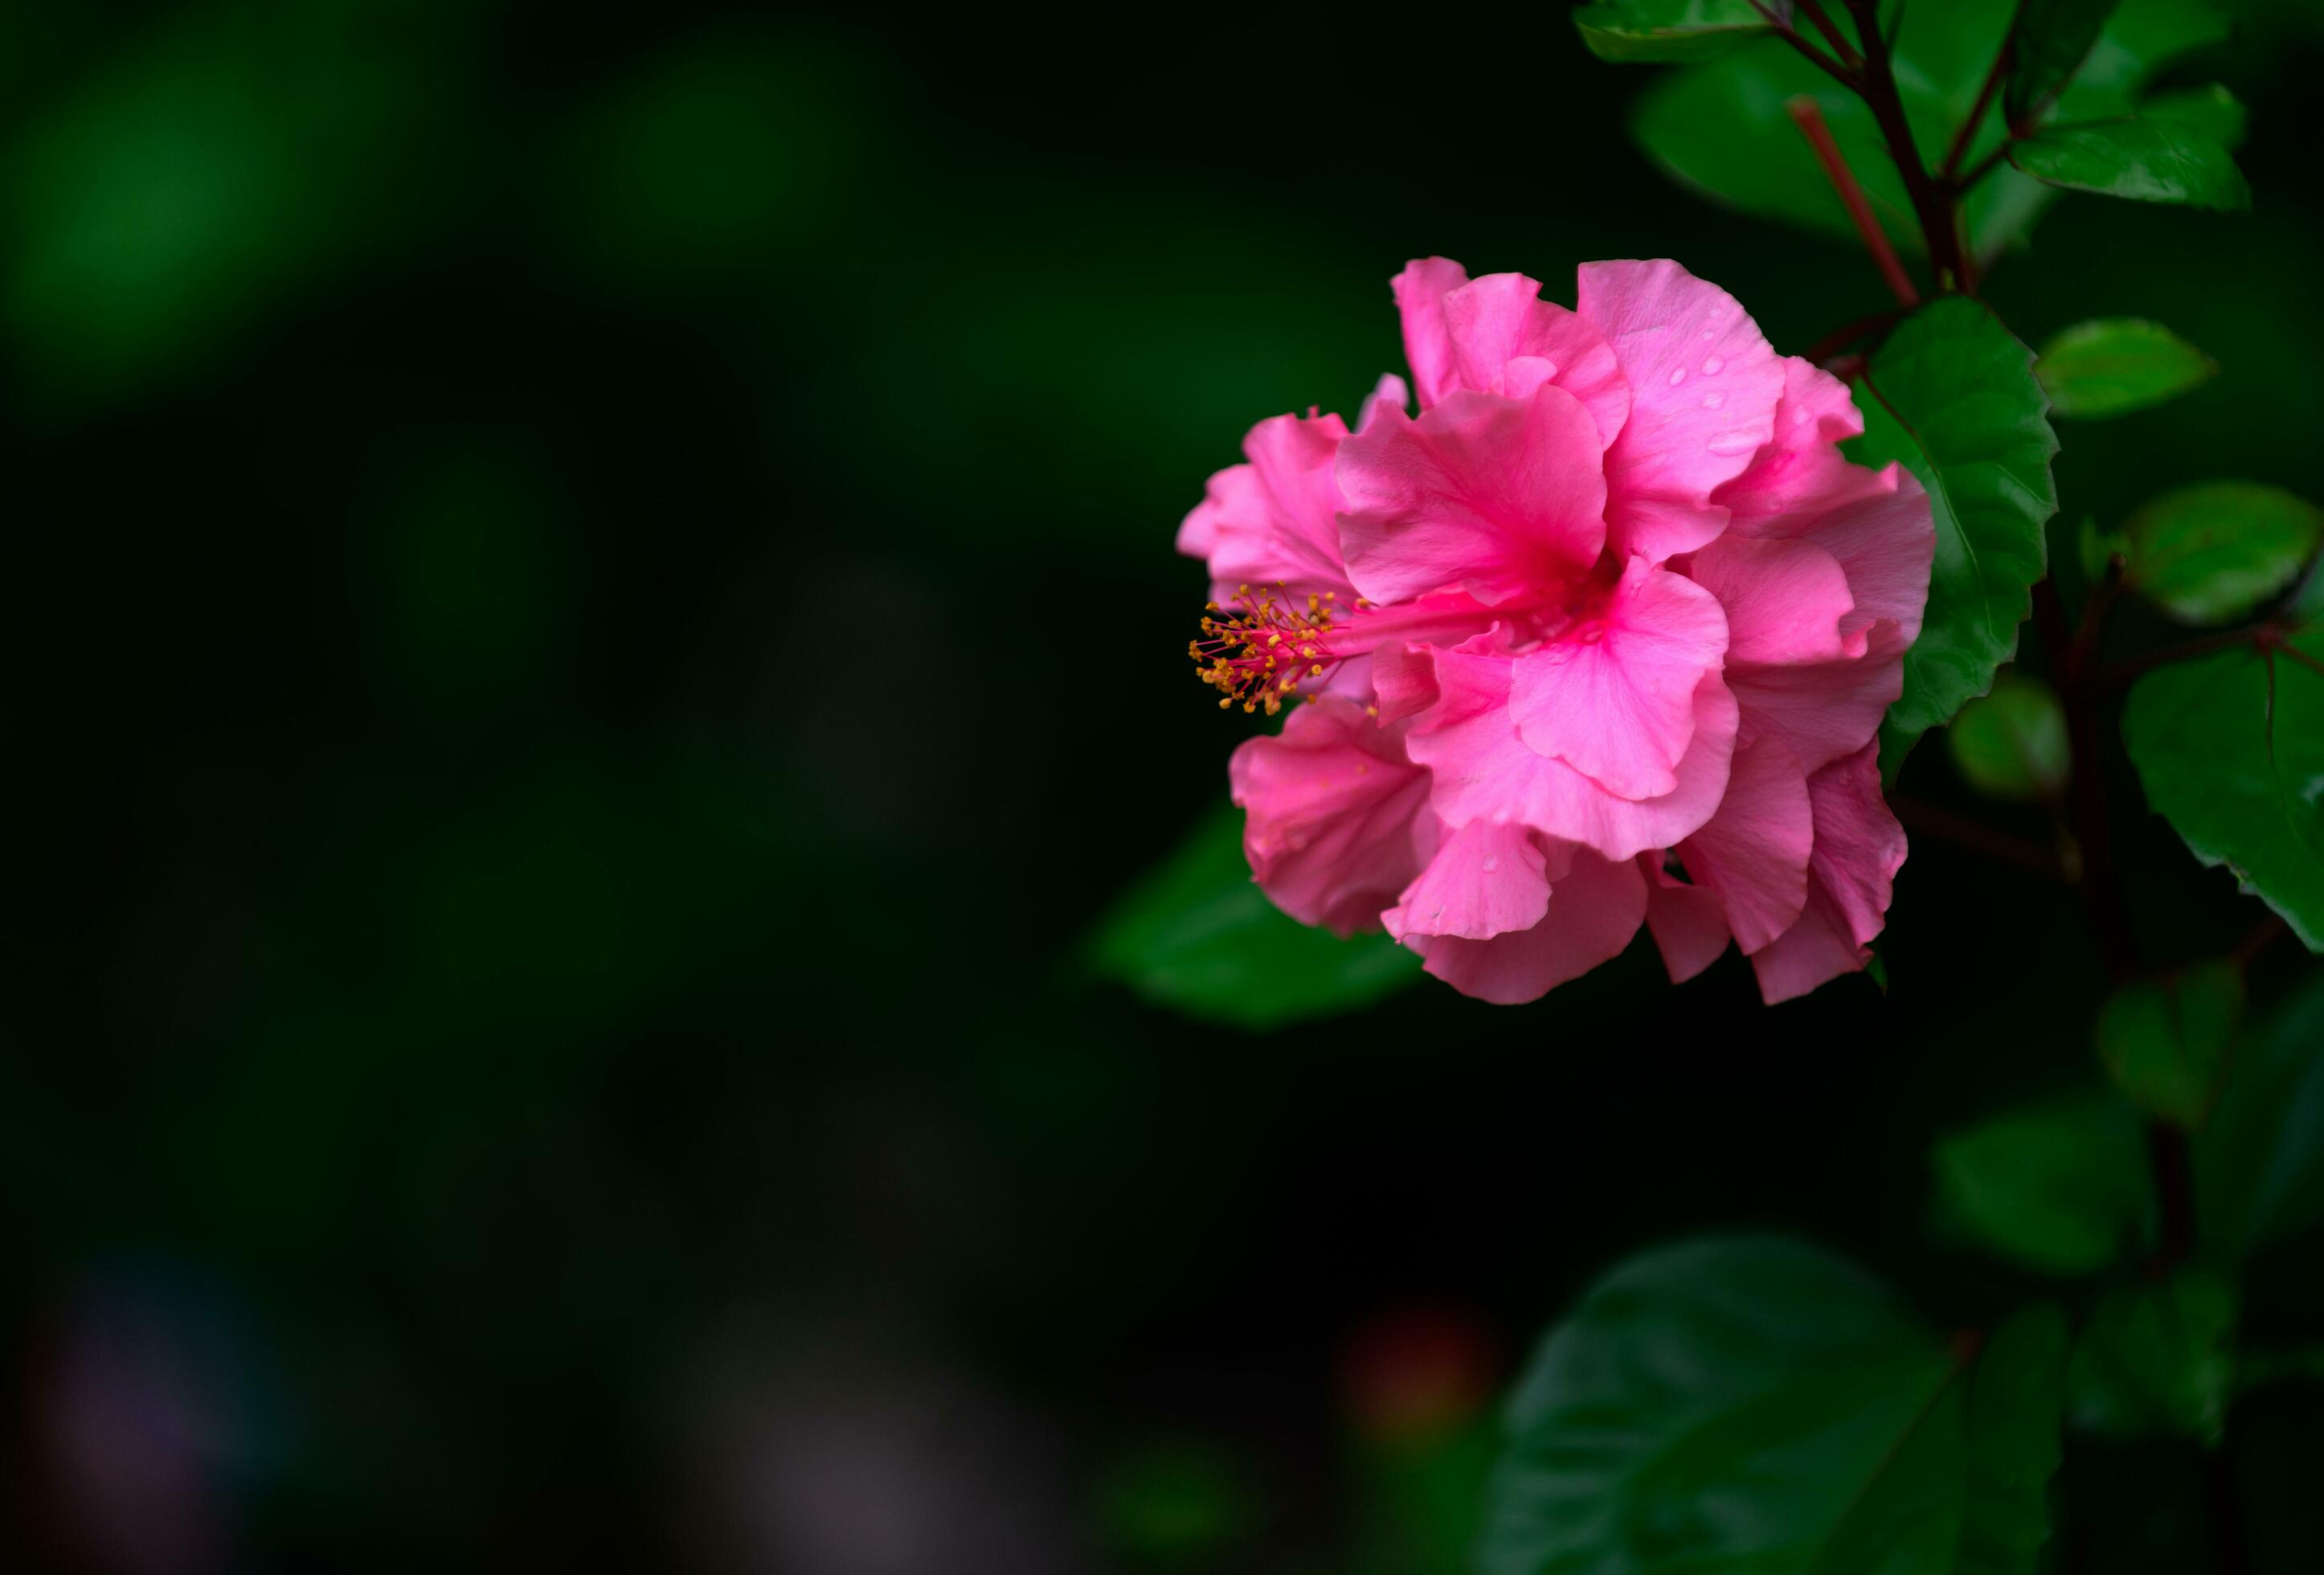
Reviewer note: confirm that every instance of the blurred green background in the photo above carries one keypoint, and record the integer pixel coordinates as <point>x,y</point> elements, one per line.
<point>593,624</point>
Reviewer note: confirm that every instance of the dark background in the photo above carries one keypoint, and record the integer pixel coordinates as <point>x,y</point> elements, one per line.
<point>591,625</point>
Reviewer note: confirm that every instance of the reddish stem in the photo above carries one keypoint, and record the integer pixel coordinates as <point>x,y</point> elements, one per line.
<point>1967,133</point>
<point>1808,118</point>
<point>1823,25</point>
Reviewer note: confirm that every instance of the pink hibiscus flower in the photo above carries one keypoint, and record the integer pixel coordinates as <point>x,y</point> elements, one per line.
<point>1601,636</point>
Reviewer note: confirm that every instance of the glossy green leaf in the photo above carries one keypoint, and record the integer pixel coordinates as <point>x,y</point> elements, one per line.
<point>2114,366</point>
<point>2061,1187</point>
<point>1721,126</point>
<point>2212,553</point>
<point>2166,1041</point>
<point>1667,30</point>
<point>1198,935</point>
<point>1757,1404</point>
<point>2215,114</point>
<point>2011,744</point>
<point>2231,750</point>
<point>2146,161</point>
<point>2158,1359</point>
<point>2259,1162</point>
<point>1722,129</point>
<point>2051,40</point>
<point>1952,396</point>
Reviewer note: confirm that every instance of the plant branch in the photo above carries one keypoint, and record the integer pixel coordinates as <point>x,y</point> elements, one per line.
<point>1983,167</point>
<point>2270,635</point>
<point>2099,882</point>
<point>1949,826</point>
<point>1962,138</point>
<point>1845,74</point>
<point>1840,338</point>
<point>2264,935</point>
<point>1934,208</point>
<point>1808,118</point>
<point>1814,13</point>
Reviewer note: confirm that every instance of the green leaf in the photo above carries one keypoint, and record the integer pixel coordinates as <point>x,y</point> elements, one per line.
<point>2166,1041</point>
<point>1198,935</point>
<point>1952,395</point>
<point>2061,1187</point>
<point>2017,1402</point>
<point>2050,41</point>
<point>2158,1359</point>
<point>1754,1403</point>
<point>2113,366</point>
<point>2148,161</point>
<point>1722,128</point>
<point>2259,1163</point>
<point>1665,30</point>
<point>2012,742</point>
<point>2231,750</point>
<point>2211,553</point>
<point>2215,114</point>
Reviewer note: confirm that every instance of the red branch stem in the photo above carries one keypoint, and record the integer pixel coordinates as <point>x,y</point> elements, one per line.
<point>1808,118</point>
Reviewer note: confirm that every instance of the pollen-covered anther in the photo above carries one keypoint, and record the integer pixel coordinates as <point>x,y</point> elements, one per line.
<point>1238,653</point>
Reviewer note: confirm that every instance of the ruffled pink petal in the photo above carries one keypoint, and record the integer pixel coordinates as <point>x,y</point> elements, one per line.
<point>1420,291</point>
<point>1753,855</point>
<point>1704,383</point>
<point>1391,392</point>
<point>1690,928</point>
<point>1485,880</point>
<point>1786,600</point>
<point>1338,819</point>
<point>1614,698</point>
<point>1594,909</point>
<point>1273,520</point>
<point>1824,711</point>
<point>1496,335</point>
<point>1801,474</point>
<point>1883,542</point>
<point>1482,770</point>
<point>1497,497</point>
<point>1858,849</point>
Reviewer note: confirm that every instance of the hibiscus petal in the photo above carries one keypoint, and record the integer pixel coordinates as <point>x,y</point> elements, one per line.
<point>1495,495</point>
<point>1824,711</point>
<point>1420,291</point>
<point>1614,698</point>
<point>1496,335</point>
<point>1338,819</point>
<point>1786,600</point>
<point>1704,383</point>
<point>1273,520</point>
<point>1851,877</point>
<point>1690,928</point>
<point>1594,911</point>
<point>1883,543</point>
<point>1485,880</point>
<point>1482,770</point>
<point>1753,855</point>
<point>1800,476</point>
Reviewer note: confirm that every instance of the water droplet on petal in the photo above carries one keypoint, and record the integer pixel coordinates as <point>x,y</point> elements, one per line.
<point>1710,366</point>
<point>1713,400</point>
<point>1678,375</point>
<point>1732,443</point>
